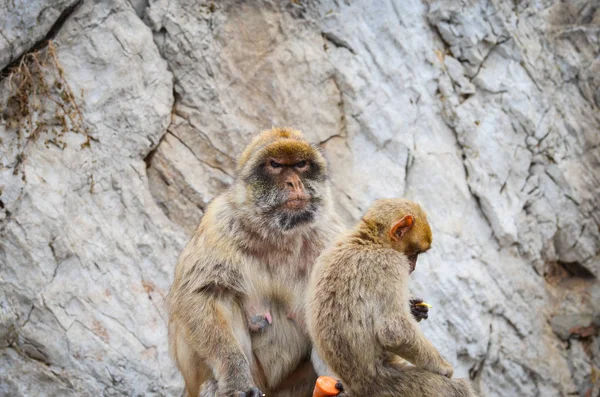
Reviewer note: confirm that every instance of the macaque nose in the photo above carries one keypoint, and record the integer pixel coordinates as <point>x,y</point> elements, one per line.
<point>294,183</point>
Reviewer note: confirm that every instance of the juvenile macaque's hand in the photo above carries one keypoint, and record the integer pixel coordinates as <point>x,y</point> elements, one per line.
<point>419,312</point>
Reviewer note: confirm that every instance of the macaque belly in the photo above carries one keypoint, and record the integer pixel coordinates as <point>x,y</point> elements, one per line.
<point>280,347</point>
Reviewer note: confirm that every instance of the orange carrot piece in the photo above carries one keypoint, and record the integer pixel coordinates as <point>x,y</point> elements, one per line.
<point>325,387</point>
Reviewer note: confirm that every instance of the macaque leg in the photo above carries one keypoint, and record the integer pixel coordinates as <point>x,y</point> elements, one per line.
<point>404,380</point>
<point>299,390</point>
<point>193,370</point>
<point>300,383</point>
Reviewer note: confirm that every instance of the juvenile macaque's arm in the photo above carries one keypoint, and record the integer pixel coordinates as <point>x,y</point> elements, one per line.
<point>399,333</point>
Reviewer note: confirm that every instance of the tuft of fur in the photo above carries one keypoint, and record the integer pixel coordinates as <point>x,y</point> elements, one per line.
<point>358,310</point>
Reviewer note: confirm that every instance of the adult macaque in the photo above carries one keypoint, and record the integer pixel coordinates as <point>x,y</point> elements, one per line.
<point>236,320</point>
<point>359,314</point>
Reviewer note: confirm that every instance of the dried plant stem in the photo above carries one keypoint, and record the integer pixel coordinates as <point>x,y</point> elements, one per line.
<point>41,102</point>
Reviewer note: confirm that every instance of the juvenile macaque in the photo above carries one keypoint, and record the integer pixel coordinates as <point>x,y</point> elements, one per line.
<point>236,324</point>
<point>359,314</point>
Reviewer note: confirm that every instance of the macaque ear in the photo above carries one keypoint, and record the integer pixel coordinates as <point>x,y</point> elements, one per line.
<point>401,227</point>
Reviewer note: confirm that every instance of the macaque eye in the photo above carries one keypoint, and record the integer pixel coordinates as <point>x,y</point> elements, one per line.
<point>301,164</point>
<point>275,164</point>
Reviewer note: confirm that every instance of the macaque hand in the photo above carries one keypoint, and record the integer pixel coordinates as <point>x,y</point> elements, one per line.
<point>252,392</point>
<point>418,310</point>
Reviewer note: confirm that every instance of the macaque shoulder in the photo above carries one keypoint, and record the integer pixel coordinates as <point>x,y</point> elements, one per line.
<point>209,263</point>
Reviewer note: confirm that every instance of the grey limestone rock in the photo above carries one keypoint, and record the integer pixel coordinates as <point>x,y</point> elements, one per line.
<point>484,111</point>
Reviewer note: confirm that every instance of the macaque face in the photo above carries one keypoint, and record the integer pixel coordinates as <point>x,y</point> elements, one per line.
<point>415,241</point>
<point>287,176</point>
<point>409,230</point>
<point>288,185</point>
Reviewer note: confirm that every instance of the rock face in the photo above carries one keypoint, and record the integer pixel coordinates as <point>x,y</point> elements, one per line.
<point>485,111</point>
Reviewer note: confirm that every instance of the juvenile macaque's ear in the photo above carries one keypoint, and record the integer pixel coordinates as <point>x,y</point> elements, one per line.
<point>401,227</point>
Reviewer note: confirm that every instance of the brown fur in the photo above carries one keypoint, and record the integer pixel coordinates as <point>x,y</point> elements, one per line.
<point>241,254</point>
<point>358,309</point>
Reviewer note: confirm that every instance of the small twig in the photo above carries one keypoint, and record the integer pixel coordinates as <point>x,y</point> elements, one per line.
<point>37,80</point>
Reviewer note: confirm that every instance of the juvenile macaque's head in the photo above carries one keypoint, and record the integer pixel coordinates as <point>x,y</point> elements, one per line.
<point>285,178</point>
<point>402,225</point>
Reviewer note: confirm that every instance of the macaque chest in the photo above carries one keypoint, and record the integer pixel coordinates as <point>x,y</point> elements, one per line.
<point>275,319</point>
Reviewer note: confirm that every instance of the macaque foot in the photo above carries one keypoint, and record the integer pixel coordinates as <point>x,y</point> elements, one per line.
<point>447,370</point>
<point>419,309</point>
<point>258,322</point>
<point>441,367</point>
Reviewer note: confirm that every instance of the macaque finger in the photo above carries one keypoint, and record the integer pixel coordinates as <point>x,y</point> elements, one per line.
<point>419,312</point>
<point>420,317</point>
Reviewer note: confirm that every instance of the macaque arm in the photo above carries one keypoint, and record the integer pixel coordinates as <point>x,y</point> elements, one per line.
<point>209,331</point>
<point>399,333</point>
<point>204,301</point>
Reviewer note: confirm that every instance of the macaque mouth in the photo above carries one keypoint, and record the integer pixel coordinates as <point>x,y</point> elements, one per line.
<point>296,204</point>
<point>412,260</point>
<point>296,201</point>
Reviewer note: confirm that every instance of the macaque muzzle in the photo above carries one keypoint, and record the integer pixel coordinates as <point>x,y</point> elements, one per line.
<point>412,259</point>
